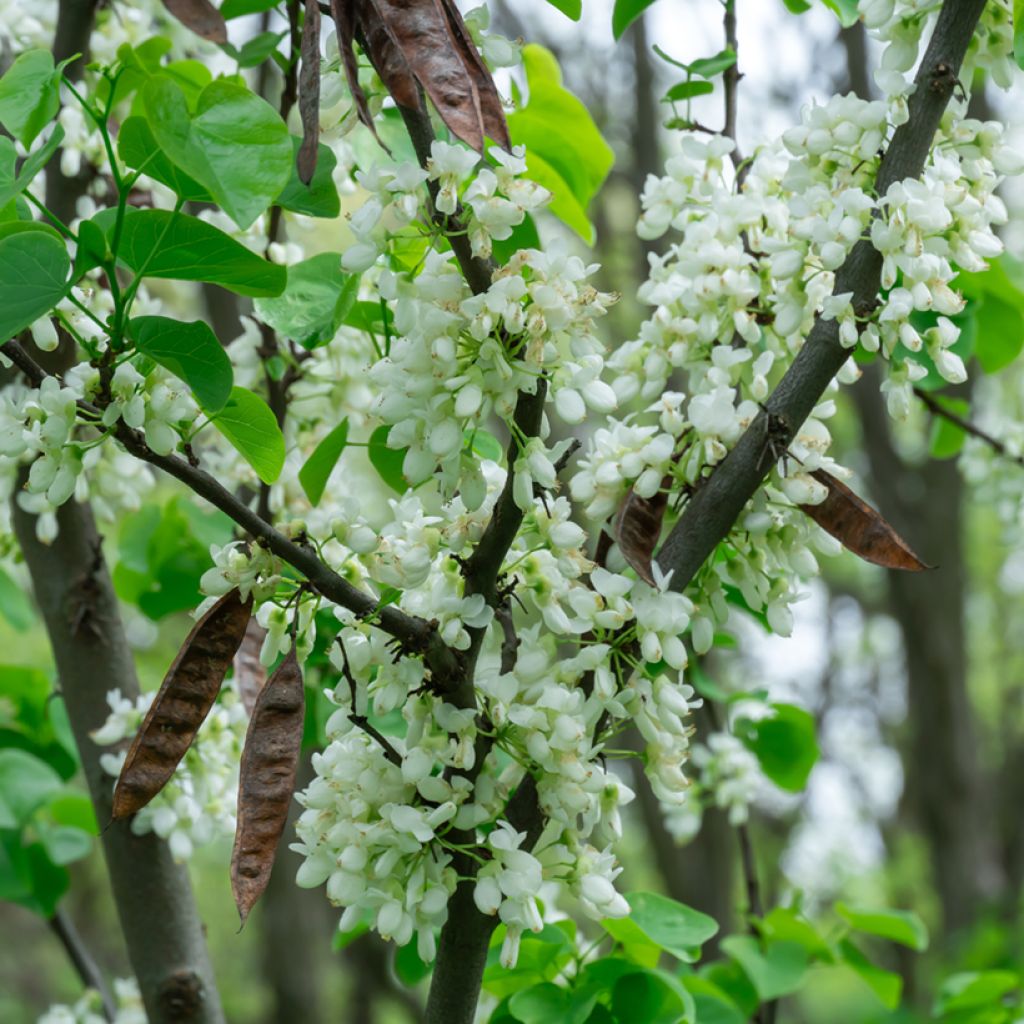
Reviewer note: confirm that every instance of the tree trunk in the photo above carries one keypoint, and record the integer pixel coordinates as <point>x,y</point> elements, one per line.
<point>162,929</point>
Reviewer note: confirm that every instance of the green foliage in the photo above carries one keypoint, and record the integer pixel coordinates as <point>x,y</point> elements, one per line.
<point>320,197</point>
<point>570,8</point>
<point>625,13</point>
<point>235,144</point>
<point>162,552</point>
<point>996,297</point>
<point>947,439</point>
<point>34,268</point>
<point>12,184</point>
<point>162,243</point>
<point>1018,32</point>
<point>978,997</point>
<point>900,926</point>
<point>785,745</point>
<point>249,424</point>
<point>318,467</point>
<point>565,151</point>
<point>387,461</point>
<point>318,297</point>
<point>190,351</point>
<point>669,925</point>
<point>30,95</point>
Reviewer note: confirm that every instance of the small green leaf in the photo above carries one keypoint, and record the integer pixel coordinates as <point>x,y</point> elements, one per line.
<point>570,8</point>
<point>672,926</point>
<point>236,145</point>
<point>708,67</point>
<point>249,424</point>
<point>485,444</point>
<point>34,268</point>
<point>239,8</point>
<point>76,810</point>
<point>190,351</point>
<point>161,243</point>
<point>902,926</point>
<point>1000,336</point>
<point>687,90</point>
<point>12,185</point>
<point>947,438</point>
<point>317,468</point>
<point>885,984</point>
<point>64,844</point>
<point>26,783</point>
<point>14,603</point>
<point>387,461</point>
<point>1018,32</point>
<point>29,95</point>
<point>411,970</point>
<point>712,1004</point>
<point>845,10</point>
<point>320,197</point>
<point>256,50</point>
<point>318,297</point>
<point>775,972</point>
<point>975,990</point>
<point>625,13</point>
<point>785,745</point>
<point>797,6</point>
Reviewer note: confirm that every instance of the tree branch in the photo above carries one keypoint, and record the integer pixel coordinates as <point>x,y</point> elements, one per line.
<point>88,971</point>
<point>415,633</point>
<point>718,502</point>
<point>936,408</point>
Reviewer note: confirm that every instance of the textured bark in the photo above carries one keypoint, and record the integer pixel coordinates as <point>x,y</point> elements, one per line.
<point>162,929</point>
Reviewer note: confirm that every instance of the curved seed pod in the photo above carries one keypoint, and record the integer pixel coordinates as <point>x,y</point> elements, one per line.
<point>860,528</point>
<point>182,703</point>
<point>344,15</point>
<point>638,529</point>
<point>250,675</point>
<point>202,17</point>
<point>309,93</point>
<point>266,783</point>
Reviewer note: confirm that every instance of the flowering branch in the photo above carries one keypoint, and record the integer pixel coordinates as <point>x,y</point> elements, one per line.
<point>936,408</point>
<point>719,500</point>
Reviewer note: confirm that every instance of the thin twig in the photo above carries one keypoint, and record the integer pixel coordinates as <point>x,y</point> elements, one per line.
<point>92,977</point>
<point>936,408</point>
<point>361,720</point>
<point>731,82</point>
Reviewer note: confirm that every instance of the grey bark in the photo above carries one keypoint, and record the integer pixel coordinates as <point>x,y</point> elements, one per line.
<point>161,926</point>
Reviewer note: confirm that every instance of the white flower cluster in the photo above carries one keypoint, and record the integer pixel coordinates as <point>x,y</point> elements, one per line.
<point>197,806</point>
<point>89,1009</point>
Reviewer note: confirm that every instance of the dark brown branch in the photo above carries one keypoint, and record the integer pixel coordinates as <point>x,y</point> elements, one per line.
<point>718,503</point>
<point>936,408</point>
<point>88,971</point>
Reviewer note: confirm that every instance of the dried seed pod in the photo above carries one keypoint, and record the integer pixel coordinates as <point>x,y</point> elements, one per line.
<point>309,93</point>
<point>266,784</point>
<point>249,672</point>
<point>638,529</point>
<point>860,528</point>
<point>182,703</point>
<point>202,17</point>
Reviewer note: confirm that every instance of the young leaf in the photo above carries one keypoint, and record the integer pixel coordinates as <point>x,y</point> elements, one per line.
<point>317,299</point>
<point>708,67</point>
<point>318,467</point>
<point>201,16</point>
<point>687,90</point>
<point>785,745</point>
<point>247,669</point>
<point>190,351</point>
<point>556,127</point>
<point>29,95</point>
<point>625,13</point>
<point>670,925</point>
<point>236,144</point>
<point>162,243</point>
<point>320,197</point>
<point>387,461</point>
<point>859,528</point>
<point>11,184</point>
<point>309,93</point>
<point>845,10</point>
<point>182,703</point>
<point>570,8</point>
<point>638,529</point>
<point>774,972</point>
<point>249,424</point>
<point>34,268</point>
<point>902,926</point>
<point>266,785</point>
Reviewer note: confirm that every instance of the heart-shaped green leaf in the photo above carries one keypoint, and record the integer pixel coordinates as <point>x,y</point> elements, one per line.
<point>249,424</point>
<point>34,267</point>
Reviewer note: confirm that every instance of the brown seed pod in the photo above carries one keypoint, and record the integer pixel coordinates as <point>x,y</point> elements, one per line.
<point>202,17</point>
<point>309,93</point>
<point>249,673</point>
<point>266,784</point>
<point>860,528</point>
<point>638,529</point>
<point>182,703</point>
